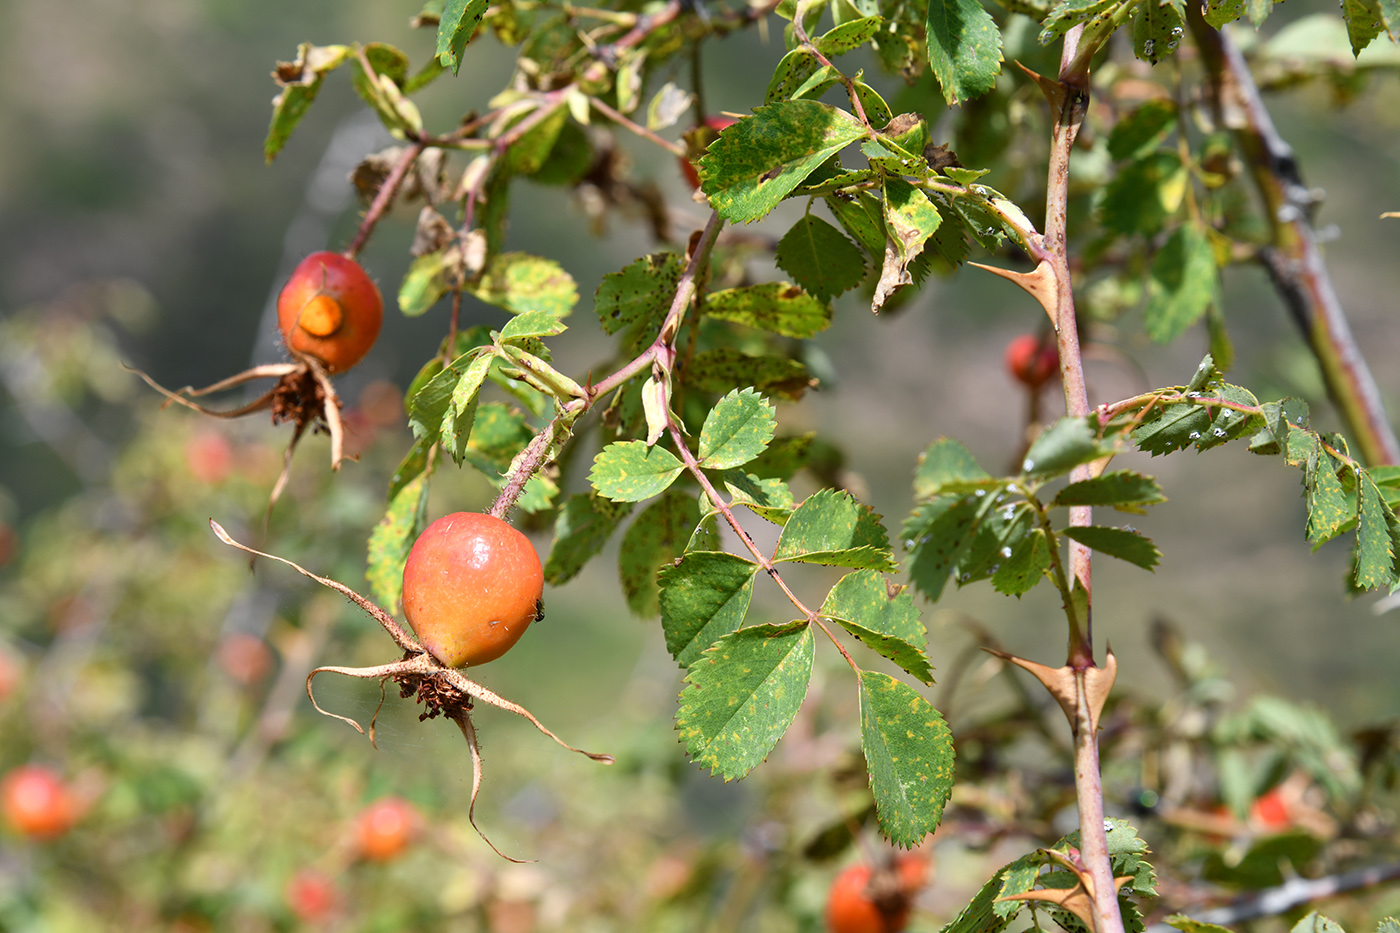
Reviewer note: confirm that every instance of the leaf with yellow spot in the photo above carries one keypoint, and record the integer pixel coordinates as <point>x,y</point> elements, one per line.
<point>909,751</point>
<point>742,694</point>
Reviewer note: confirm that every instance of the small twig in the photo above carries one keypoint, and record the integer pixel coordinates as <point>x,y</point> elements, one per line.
<point>400,637</point>
<point>621,120</point>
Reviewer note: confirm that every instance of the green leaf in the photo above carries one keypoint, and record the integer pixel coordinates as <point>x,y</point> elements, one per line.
<point>520,282</point>
<point>909,751</point>
<point>770,499</point>
<point>1180,425</point>
<point>301,82</point>
<point>792,76</point>
<point>1279,419</point>
<point>736,430</point>
<point>948,467</point>
<point>757,161</point>
<point>1157,29</point>
<point>1069,13</point>
<point>702,599</point>
<point>428,278</point>
<point>1144,194</point>
<point>581,529</point>
<point>832,528</point>
<point>1064,445</point>
<point>1315,922</point>
<point>964,48</point>
<point>499,432</point>
<point>630,471</point>
<point>1001,529</point>
<point>1228,423</point>
<point>910,217</point>
<point>1142,130</point>
<point>413,464</point>
<point>439,402</point>
<point>1121,487</point>
<point>786,455</point>
<point>1375,541</point>
<point>863,217</point>
<point>533,324</point>
<point>654,540</point>
<point>883,616</point>
<point>528,154</point>
<point>726,368</point>
<point>640,293</point>
<point>1364,22</point>
<point>779,307</point>
<point>1026,566</point>
<point>1117,542</point>
<point>981,915</point>
<point>848,36</point>
<point>937,535</point>
<point>742,695</point>
<point>820,258</point>
<point>1220,12</point>
<point>393,537</point>
<point>1182,283</point>
<point>457,419</point>
<point>456,27</point>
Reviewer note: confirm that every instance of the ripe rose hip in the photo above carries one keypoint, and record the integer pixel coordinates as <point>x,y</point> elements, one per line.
<point>386,827</point>
<point>330,309</point>
<point>866,901</point>
<point>37,802</point>
<point>471,586</point>
<point>1030,361</point>
<point>312,895</point>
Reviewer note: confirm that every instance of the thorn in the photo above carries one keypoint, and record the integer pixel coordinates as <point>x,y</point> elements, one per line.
<point>1054,91</point>
<point>1040,284</point>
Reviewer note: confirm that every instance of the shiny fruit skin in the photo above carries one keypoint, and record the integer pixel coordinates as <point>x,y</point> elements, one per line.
<point>849,908</point>
<point>471,586</point>
<point>1031,362</point>
<point>37,802</point>
<point>330,309</point>
<point>698,140</point>
<point>386,827</point>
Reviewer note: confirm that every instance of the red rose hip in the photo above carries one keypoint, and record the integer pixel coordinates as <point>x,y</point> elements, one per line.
<point>37,802</point>
<point>331,310</point>
<point>471,586</point>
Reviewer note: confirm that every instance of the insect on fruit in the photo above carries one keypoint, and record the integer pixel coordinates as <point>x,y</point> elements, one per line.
<point>471,586</point>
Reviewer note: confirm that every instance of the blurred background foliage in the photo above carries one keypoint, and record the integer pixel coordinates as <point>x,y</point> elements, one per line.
<point>143,662</point>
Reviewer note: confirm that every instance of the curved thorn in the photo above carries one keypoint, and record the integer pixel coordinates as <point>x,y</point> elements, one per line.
<point>473,689</point>
<point>464,722</point>
<point>401,638</point>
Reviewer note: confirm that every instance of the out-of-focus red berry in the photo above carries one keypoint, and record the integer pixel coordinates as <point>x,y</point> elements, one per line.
<point>37,802</point>
<point>386,827</point>
<point>1031,361</point>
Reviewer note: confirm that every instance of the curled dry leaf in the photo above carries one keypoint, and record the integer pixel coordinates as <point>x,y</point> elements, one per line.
<point>442,690</point>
